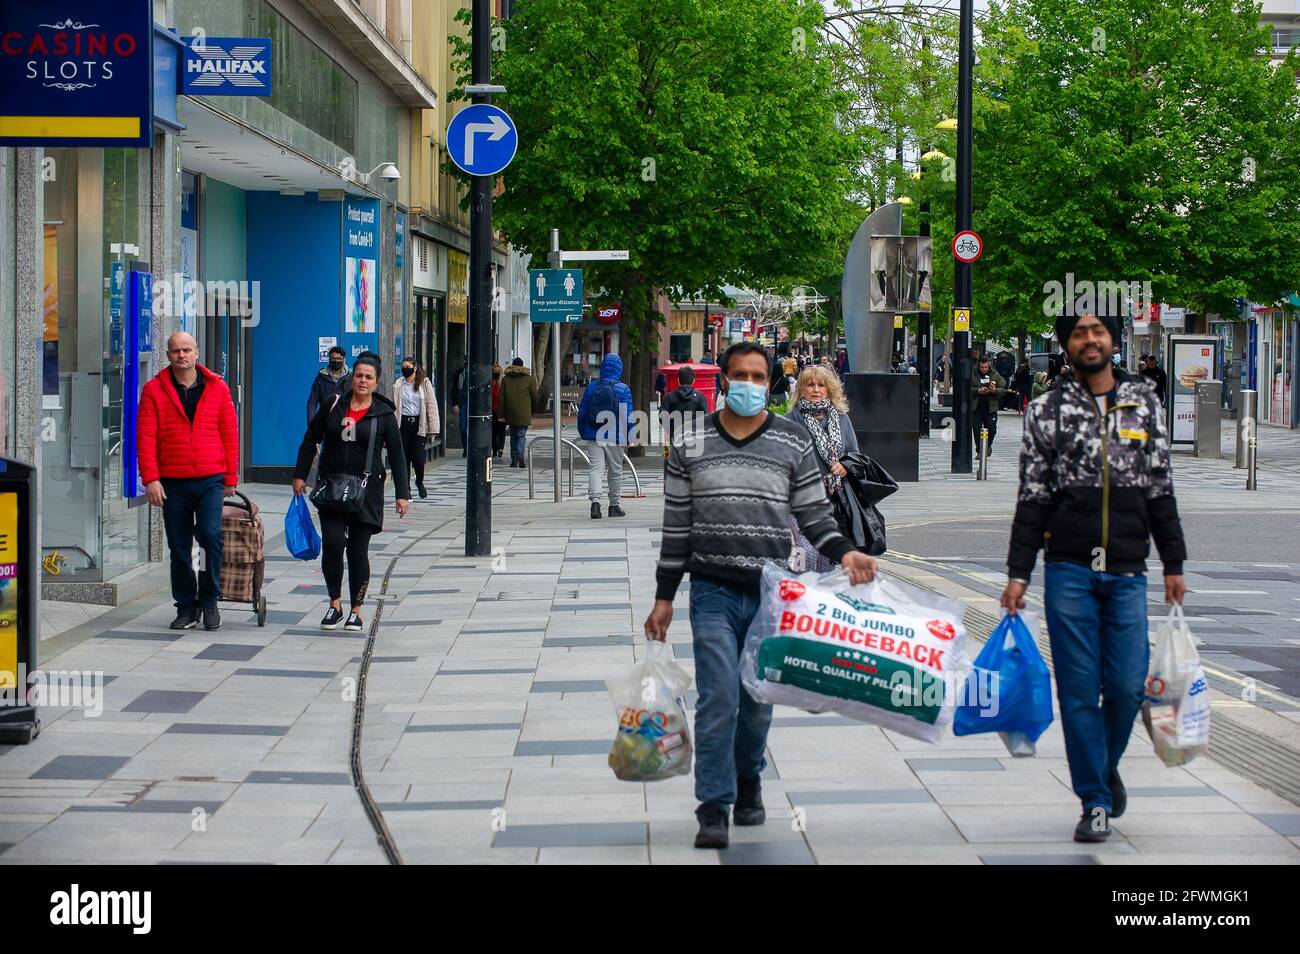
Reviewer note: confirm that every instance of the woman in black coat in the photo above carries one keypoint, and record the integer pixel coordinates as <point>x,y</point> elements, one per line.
<point>344,430</point>
<point>819,404</point>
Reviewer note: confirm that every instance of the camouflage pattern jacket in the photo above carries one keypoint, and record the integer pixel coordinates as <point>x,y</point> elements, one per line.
<point>1094,488</point>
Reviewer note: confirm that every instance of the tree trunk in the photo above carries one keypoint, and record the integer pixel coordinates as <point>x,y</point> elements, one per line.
<point>1021,346</point>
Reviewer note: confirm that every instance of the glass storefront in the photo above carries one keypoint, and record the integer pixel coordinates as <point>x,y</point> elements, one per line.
<point>96,223</point>
<point>1277,367</point>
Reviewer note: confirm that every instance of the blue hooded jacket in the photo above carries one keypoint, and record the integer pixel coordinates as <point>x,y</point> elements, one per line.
<point>611,371</point>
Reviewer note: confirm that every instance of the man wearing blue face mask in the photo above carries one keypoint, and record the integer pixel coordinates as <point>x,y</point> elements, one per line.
<point>728,490</point>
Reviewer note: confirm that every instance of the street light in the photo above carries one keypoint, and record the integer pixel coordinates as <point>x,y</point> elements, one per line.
<point>934,154</point>
<point>946,125</point>
<point>387,171</point>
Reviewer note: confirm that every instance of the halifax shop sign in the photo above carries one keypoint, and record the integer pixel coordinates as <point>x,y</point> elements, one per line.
<point>76,73</point>
<point>227,66</point>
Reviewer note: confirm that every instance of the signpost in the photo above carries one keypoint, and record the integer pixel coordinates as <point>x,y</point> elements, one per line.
<point>482,139</point>
<point>555,295</point>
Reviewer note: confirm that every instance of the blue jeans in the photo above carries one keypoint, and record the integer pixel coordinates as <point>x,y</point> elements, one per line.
<point>193,508</point>
<point>517,435</point>
<point>1098,628</point>
<point>730,727</point>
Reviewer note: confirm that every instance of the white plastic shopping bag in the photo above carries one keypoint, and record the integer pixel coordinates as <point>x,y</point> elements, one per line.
<point>883,652</point>
<point>654,737</point>
<point>1176,710</point>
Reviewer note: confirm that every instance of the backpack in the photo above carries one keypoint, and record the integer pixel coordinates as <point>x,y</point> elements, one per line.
<point>603,400</point>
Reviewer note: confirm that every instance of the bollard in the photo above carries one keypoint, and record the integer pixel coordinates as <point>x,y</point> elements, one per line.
<point>1247,409</point>
<point>570,450</point>
<point>983,473</point>
<point>1251,458</point>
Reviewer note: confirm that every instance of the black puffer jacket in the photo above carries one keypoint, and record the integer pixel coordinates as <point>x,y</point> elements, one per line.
<point>1095,488</point>
<point>339,456</point>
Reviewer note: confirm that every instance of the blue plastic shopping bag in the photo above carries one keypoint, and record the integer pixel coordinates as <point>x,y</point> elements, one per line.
<point>1010,690</point>
<point>299,532</point>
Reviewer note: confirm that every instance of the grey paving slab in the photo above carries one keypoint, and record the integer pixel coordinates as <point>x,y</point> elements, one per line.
<point>297,778</point>
<point>572,835</point>
<point>224,728</point>
<point>467,727</point>
<point>568,685</point>
<point>80,766</point>
<point>956,765</point>
<point>447,806</point>
<point>486,672</point>
<point>1288,825</point>
<point>1040,859</point>
<point>234,652</point>
<point>165,700</point>
<point>564,747</point>
<point>887,796</point>
<point>767,853</point>
<point>288,673</point>
<point>165,636</point>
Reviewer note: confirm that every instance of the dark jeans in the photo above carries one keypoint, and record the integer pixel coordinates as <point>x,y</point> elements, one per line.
<point>1098,627</point>
<point>193,508</point>
<point>340,535</point>
<point>413,446</point>
<point>517,449</point>
<point>986,417</point>
<point>730,727</point>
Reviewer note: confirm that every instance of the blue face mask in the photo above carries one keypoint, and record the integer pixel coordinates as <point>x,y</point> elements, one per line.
<point>746,399</point>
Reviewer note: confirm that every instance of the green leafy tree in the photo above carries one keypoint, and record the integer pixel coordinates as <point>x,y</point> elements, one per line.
<point>703,138</point>
<point>1134,141</point>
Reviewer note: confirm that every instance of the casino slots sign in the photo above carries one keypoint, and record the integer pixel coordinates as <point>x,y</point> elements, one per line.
<point>76,73</point>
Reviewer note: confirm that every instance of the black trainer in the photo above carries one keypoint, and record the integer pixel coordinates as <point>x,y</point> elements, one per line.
<point>419,485</point>
<point>616,511</point>
<point>333,617</point>
<point>354,623</point>
<point>748,809</point>
<point>713,826</point>
<point>211,618</point>
<point>1118,795</point>
<point>595,510</point>
<point>186,618</point>
<point>1093,826</point>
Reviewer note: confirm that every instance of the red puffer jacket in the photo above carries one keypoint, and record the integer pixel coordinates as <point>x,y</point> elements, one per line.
<point>168,445</point>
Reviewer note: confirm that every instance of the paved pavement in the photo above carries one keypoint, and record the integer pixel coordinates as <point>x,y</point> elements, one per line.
<point>487,722</point>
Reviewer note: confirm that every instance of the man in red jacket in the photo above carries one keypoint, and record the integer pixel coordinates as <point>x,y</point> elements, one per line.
<point>187,442</point>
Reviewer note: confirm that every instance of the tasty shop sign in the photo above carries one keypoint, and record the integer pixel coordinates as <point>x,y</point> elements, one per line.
<point>76,73</point>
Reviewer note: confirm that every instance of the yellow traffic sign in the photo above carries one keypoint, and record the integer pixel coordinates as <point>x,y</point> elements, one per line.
<point>898,321</point>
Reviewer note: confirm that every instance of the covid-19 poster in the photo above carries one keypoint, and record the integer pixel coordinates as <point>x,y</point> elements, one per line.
<point>8,590</point>
<point>360,276</point>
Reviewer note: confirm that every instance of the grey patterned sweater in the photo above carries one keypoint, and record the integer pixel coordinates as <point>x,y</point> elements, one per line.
<point>726,503</point>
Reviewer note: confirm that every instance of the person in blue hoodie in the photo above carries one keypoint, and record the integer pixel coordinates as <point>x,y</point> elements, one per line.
<point>605,423</point>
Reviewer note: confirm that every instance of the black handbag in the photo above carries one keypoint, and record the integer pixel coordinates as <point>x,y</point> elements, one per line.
<point>865,484</point>
<point>344,493</point>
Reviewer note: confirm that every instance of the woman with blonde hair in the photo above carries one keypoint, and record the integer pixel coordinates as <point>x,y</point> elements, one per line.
<point>819,405</point>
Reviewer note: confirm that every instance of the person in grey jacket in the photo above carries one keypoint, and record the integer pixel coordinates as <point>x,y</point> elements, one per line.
<point>820,406</point>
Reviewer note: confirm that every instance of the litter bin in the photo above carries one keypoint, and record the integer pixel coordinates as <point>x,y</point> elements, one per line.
<point>1209,418</point>
<point>19,606</point>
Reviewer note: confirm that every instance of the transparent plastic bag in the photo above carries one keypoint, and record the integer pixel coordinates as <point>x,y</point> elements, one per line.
<point>883,652</point>
<point>1176,711</point>
<point>653,741</point>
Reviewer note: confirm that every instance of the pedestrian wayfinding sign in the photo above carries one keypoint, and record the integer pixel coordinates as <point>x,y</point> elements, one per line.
<point>555,294</point>
<point>482,139</point>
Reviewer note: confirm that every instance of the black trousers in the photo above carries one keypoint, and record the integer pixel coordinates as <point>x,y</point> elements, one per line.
<point>413,446</point>
<point>498,435</point>
<point>341,534</point>
<point>985,416</point>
